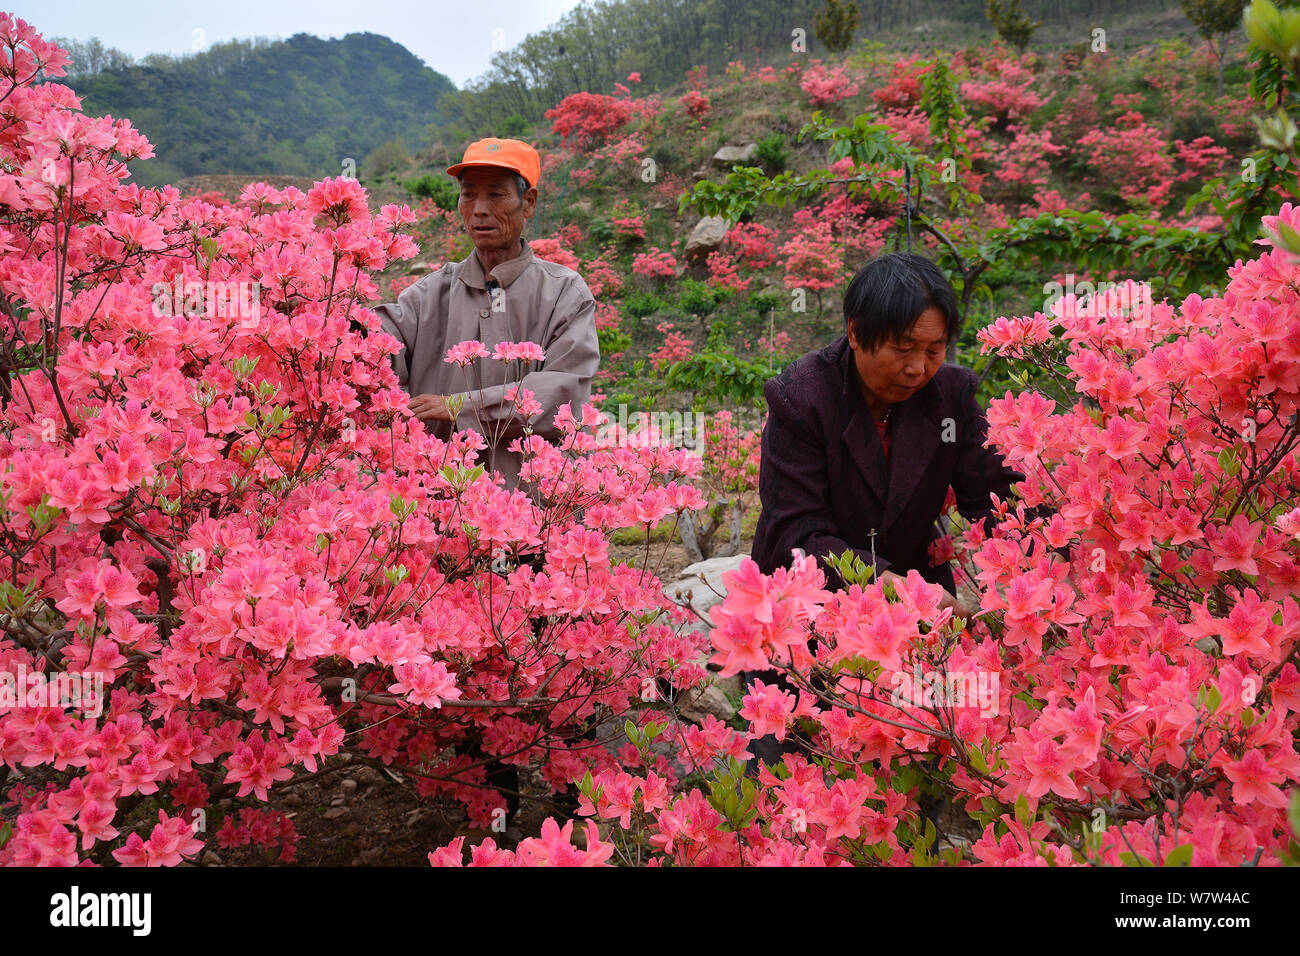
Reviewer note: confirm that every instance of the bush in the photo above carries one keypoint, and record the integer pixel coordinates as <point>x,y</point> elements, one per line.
<point>772,154</point>
<point>642,304</point>
<point>1129,694</point>
<point>442,189</point>
<point>384,159</point>
<point>226,523</point>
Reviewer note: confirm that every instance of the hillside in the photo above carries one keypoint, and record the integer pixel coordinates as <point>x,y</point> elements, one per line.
<point>297,107</point>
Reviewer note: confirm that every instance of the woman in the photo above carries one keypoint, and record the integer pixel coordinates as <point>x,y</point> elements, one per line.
<point>865,437</point>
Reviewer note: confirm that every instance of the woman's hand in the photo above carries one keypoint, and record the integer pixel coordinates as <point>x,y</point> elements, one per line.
<point>959,608</point>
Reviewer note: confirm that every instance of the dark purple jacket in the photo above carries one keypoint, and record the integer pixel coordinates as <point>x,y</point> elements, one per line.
<point>826,485</point>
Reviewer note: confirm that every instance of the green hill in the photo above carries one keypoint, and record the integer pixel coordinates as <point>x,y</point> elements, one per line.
<point>297,107</point>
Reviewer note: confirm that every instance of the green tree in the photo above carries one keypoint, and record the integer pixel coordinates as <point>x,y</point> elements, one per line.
<point>836,23</point>
<point>1214,20</point>
<point>385,158</point>
<point>1011,22</point>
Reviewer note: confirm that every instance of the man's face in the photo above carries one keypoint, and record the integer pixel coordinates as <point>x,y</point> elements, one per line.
<point>897,369</point>
<point>491,208</point>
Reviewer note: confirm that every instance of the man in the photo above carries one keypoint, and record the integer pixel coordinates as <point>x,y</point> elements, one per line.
<point>865,437</point>
<point>500,293</point>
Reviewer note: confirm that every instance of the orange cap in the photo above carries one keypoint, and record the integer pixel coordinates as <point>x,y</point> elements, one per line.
<point>512,154</point>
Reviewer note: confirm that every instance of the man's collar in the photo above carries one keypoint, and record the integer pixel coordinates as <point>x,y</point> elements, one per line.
<point>471,272</point>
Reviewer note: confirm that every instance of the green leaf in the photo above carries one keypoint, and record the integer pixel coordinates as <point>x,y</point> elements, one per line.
<point>1134,859</point>
<point>1293,813</point>
<point>1023,814</point>
<point>1179,856</point>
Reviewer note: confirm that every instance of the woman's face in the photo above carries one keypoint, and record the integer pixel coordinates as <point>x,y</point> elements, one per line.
<point>897,369</point>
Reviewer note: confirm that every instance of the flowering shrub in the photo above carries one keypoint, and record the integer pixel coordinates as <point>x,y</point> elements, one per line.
<point>588,119</point>
<point>226,521</point>
<point>629,227</point>
<point>601,276</point>
<point>1129,694</point>
<point>1201,159</point>
<point>1026,162</point>
<point>1007,98</point>
<point>1135,154</point>
<point>655,263</point>
<point>826,85</point>
<point>553,250</point>
<point>695,103</point>
<point>909,126</point>
<point>754,243</point>
<point>675,348</point>
<point>902,91</point>
<point>813,259</point>
<point>724,272</point>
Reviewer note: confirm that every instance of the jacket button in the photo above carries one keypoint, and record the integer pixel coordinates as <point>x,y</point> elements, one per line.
<point>484,313</point>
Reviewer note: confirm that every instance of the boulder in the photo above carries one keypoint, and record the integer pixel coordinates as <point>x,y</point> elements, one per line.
<point>700,585</point>
<point>705,237</point>
<point>696,703</point>
<point>729,156</point>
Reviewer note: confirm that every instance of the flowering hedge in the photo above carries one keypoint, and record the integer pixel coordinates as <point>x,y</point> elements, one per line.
<point>224,523</point>
<point>1128,693</point>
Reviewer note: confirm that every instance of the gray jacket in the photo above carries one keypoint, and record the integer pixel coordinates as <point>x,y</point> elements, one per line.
<point>538,301</point>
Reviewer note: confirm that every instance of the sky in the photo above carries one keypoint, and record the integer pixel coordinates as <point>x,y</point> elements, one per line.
<point>456,39</point>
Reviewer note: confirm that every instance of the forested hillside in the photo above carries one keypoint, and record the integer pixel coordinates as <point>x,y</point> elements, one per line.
<point>594,46</point>
<point>296,107</point>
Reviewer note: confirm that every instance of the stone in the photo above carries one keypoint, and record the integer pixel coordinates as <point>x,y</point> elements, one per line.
<point>210,858</point>
<point>292,800</point>
<point>334,813</point>
<point>705,237</point>
<point>348,785</point>
<point>729,156</point>
<point>696,703</point>
<point>700,585</point>
<point>419,268</point>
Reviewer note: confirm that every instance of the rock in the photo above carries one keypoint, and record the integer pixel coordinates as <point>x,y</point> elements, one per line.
<point>583,204</point>
<point>348,786</point>
<point>729,156</point>
<point>292,800</point>
<point>336,802</point>
<point>210,859</point>
<point>705,237</point>
<point>698,702</point>
<point>700,585</point>
<point>419,268</point>
<point>700,174</point>
<point>334,813</point>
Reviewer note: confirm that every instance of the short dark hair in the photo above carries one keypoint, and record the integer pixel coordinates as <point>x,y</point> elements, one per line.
<point>521,184</point>
<point>888,294</point>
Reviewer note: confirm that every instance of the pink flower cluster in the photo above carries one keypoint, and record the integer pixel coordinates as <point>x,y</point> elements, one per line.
<point>655,263</point>
<point>825,85</point>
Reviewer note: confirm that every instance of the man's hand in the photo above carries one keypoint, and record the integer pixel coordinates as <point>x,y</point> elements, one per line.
<point>431,408</point>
